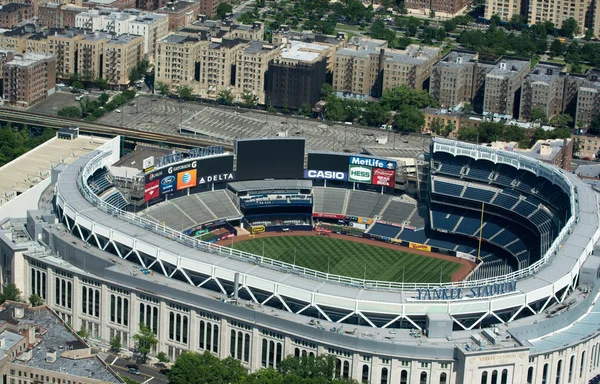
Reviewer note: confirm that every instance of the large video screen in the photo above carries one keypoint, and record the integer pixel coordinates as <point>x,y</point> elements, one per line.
<point>270,159</point>
<point>188,174</point>
<point>328,162</point>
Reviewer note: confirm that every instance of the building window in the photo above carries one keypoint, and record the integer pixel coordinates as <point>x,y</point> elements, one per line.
<point>484,377</point>
<point>582,364</point>
<point>365,374</point>
<point>404,377</point>
<point>384,376</point>
<point>423,378</point>
<point>558,371</point>
<point>545,374</point>
<point>443,378</point>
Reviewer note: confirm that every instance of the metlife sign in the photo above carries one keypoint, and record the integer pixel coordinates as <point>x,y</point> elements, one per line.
<point>360,174</point>
<point>370,162</point>
<point>327,175</point>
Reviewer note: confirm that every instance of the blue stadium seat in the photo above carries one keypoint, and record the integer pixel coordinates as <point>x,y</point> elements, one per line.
<point>384,230</point>
<point>479,194</point>
<point>447,188</point>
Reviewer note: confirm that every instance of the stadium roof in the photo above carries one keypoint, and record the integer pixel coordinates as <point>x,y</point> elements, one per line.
<point>31,168</point>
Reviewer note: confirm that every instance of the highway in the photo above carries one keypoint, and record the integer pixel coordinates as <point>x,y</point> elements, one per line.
<point>23,117</point>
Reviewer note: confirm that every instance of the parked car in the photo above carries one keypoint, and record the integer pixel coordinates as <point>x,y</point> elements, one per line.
<point>133,371</point>
<point>165,371</point>
<point>77,98</point>
<point>134,366</point>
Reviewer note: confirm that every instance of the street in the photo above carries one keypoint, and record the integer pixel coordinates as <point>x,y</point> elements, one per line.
<point>148,374</point>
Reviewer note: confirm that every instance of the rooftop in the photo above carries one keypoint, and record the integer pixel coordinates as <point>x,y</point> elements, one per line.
<point>125,39</point>
<point>303,51</point>
<point>455,59</point>
<point>413,54</point>
<point>545,150</point>
<point>509,66</point>
<point>31,168</point>
<point>23,30</point>
<point>544,71</point>
<point>52,336</point>
<point>10,339</point>
<point>588,170</point>
<point>310,37</point>
<point>256,47</point>
<point>177,6</point>
<point>12,7</point>
<point>98,35</point>
<point>179,39</point>
<point>28,59</point>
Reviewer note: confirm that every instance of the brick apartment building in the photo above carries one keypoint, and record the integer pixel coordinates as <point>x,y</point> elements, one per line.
<point>12,14</point>
<point>181,13</point>
<point>28,79</point>
<point>448,7</point>
<point>58,15</point>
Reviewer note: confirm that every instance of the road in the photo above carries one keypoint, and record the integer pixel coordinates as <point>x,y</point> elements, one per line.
<point>148,374</point>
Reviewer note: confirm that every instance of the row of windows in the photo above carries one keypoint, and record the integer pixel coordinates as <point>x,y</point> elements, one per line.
<point>119,310</point>
<point>208,336</point>
<point>63,293</point>
<point>38,283</point>
<point>178,327</point>
<point>149,316</point>
<point>90,301</point>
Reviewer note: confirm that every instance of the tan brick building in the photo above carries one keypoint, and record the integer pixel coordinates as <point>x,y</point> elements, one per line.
<point>28,79</point>
<point>447,117</point>
<point>12,14</point>
<point>456,78</point>
<point>176,57</point>
<point>447,8</point>
<point>588,146</point>
<point>543,88</point>
<point>15,40</point>
<point>502,82</point>
<point>64,46</point>
<point>588,98</point>
<point>367,67</point>
<point>505,9</point>
<point>181,13</point>
<point>225,29</point>
<point>121,55</point>
<point>251,66</point>
<point>90,51</point>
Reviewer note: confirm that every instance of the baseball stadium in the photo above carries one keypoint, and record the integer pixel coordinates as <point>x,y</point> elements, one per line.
<point>480,268</point>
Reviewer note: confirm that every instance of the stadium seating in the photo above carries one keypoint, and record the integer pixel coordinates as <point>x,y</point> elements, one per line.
<point>366,204</point>
<point>479,194</point>
<point>115,198</point>
<point>444,218</point>
<point>398,211</point>
<point>418,236</point>
<point>169,215</point>
<point>447,187</point>
<point>417,219</point>
<point>100,181</point>
<point>329,200</point>
<point>220,204</point>
<point>479,170</point>
<point>384,230</point>
<point>194,208</point>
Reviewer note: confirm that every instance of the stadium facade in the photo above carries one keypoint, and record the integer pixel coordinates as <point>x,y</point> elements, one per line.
<point>106,269</point>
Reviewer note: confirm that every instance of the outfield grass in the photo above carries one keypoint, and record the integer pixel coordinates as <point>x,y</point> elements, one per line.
<point>349,258</point>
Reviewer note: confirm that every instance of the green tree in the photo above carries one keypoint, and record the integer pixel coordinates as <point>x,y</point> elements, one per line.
<point>192,367</point>
<point>224,9</point>
<point>83,333</point>
<point>115,344</point>
<point>538,115</point>
<point>569,28</point>
<point>449,25</point>
<point>312,368</point>
<point>101,83</point>
<point>467,108</point>
<point>470,134</point>
<point>249,98</point>
<point>561,121</point>
<point>103,98</point>
<point>557,48</point>
<point>380,31</point>
<point>185,93</point>
<point>594,127</point>
<point>306,110</point>
<point>409,119</point>
<point>375,115</point>
<point>36,300</point>
<point>326,91</point>
<point>145,340</point>
<point>162,88</point>
<point>589,34</point>
<point>70,112</point>
<point>225,97</point>
<point>77,85</point>
<point>394,99</point>
<point>162,357</point>
<point>432,14</point>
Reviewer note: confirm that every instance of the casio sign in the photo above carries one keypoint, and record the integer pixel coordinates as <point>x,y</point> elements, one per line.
<point>329,175</point>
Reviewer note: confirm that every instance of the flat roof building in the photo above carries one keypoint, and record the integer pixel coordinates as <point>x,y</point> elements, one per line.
<point>28,79</point>
<point>502,83</point>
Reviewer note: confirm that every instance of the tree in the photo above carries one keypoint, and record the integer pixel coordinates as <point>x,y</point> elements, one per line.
<point>395,98</point>
<point>70,112</point>
<point>380,31</point>
<point>594,128</point>
<point>185,93</point>
<point>538,115</point>
<point>569,28</point>
<point>249,98</point>
<point>326,91</point>
<point>375,115</point>
<point>115,344</point>
<point>192,367</point>
<point>306,110</point>
<point>449,25</point>
<point>561,121</point>
<point>163,89</point>
<point>409,119</point>
<point>162,357</point>
<point>225,97</point>
<point>101,83</point>
<point>77,85</point>
<point>313,368</point>
<point>557,48</point>
<point>36,300</point>
<point>103,98</point>
<point>146,340</point>
<point>589,34</point>
<point>432,14</point>
<point>467,108</point>
<point>469,133</point>
<point>224,9</point>
<point>83,333</point>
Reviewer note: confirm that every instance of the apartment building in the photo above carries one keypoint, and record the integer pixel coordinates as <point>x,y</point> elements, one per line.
<point>115,5</point>
<point>15,39</point>
<point>505,9</point>
<point>502,82</point>
<point>5,56</point>
<point>543,88</point>
<point>12,14</point>
<point>58,15</point>
<point>176,59</point>
<point>456,79</point>
<point>367,67</point>
<point>217,65</point>
<point>28,79</point>
<point>588,146</point>
<point>295,76</point>
<point>152,27</point>
<point>90,55</point>
<point>101,20</point>
<point>209,7</point>
<point>252,64</point>
<point>181,13</point>
<point>588,97</point>
<point>284,35</point>
<point>447,8</point>
<point>121,55</point>
<point>556,11</point>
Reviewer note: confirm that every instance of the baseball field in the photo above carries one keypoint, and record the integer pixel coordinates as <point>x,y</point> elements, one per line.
<point>353,258</point>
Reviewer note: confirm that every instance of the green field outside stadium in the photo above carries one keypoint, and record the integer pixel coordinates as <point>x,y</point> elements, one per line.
<point>349,258</point>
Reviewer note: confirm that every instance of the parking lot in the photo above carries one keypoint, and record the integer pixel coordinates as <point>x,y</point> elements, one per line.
<point>58,100</point>
<point>224,124</point>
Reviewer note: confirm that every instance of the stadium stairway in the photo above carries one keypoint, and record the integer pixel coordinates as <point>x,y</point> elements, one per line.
<point>385,206</point>
<point>346,200</point>
<point>206,206</point>
<point>182,211</point>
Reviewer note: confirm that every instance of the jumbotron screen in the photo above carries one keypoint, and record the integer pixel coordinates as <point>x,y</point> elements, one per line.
<point>328,161</point>
<point>270,159</point>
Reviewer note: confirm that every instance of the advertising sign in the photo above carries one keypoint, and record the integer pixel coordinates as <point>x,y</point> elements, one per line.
<point>384,177</point>
<point>148,164</point>
<point>258,229</point>
<point>219,178</point>
<point>370,162</point>
<point>151,190</point>
<point>328,215</point>
<point>360,174</point>
<point>327,175</point>
<point>420,247</point>
<point>186,179</point>
<point>167,184</point>
<point>490,290</point>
